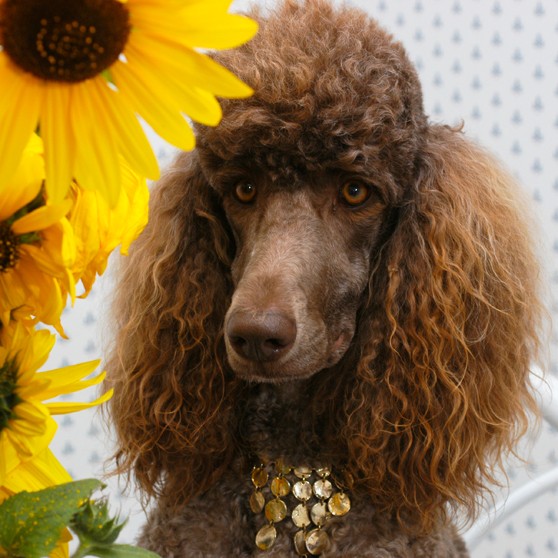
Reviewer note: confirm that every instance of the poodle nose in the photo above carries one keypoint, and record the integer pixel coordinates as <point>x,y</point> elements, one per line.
<point>263,337</point>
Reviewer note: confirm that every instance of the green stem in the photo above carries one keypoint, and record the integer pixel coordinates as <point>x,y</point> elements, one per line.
<point>81,551</point>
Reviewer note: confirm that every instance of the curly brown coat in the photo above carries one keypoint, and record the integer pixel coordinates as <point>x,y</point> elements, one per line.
<point>328,277</point>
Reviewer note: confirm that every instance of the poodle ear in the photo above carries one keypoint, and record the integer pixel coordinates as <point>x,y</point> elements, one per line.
<point>170,301</point>
<point>458,286</point>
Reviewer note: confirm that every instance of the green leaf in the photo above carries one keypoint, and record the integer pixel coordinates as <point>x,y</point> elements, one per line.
<point>31,522</point>
<point>121,551</point>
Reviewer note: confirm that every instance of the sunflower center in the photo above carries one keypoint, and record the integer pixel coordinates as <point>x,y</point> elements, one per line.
<point>9,247</point>
<point>8,396</point>
<point>64,40</point>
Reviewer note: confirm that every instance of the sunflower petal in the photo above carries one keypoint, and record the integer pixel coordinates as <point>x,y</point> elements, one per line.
<point>97,166</point>
<point>26,431</point>
<point>63,380</point>
<point>198,70</point>
<point>198,104</point>
<point>40,472</point>
<point>13,293</point>
<point>58,138</point>
<point>131,138</point>
<point>16,126</point>
<point>154,104</point>
<point>35,352</point>
<point>225,30</point>
<point>32,413</point>
<point>11,457</point>
<point>41,218</point>
<point>43,294</point>
<point>197,25</point>
<point>64,408</point>
<point>138,195</point>
<point>25,184</point>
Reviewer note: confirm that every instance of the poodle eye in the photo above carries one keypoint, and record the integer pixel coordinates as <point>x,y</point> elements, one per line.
<point>354,193</point>
<point>245,192</point>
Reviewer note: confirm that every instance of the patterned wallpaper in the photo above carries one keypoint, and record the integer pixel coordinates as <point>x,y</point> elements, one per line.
<point>494,66</point>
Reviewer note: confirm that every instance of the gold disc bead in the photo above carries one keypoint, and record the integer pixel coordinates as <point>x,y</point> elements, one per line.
<point>323,489</point>
<point>257,501</point>
<point>302,490</point>
<point>300,517</point>
<point>276,510</point>
<point>318,513</point>
<point>280,486</point>
<point>323,472</point>
<point>300,543</point>
<point>317,542</point>
<point>259,477</point>
<point>302,472</point>
<point>265,537</point>
<point>282,468</point>
<point>339,504</point>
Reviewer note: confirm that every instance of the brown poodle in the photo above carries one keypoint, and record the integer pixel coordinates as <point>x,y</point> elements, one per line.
<point>325,331</point>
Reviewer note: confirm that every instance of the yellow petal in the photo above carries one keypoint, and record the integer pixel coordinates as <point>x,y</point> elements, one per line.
<point>25,184</point>
<point>198,70</point>
<point>31,349</point>
<point>33,390</point>
<point>20,99</point>
<point>40,472</point>
<point>84,221</point>
<point>36,352</point>
<point>4,453</point>
<point>43,293</point>
<point>70,378</point>
<point>13,294</point>
<point>26,438</point>
<point>58,138</point>
<point>138,209</point>
<point>57,251</point>
<point>10,458</point>
<point>70,280</point>
<point>64,408</point>
<point>199,25</point>
<point>61,550</point>
<point>97,165</point>
<point>41,218</point>
<point>198,104</point>
<point>153,104</point>
<point>31,412</point>
<point>131,139</point>
<point>223,32</point>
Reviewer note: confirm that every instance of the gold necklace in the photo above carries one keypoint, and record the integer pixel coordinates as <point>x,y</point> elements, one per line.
<point>317,494</point>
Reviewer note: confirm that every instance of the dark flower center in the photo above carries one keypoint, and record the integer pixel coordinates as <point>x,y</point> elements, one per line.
<point>63,40</point>
<point>9,244</point>
<point>8,396</point>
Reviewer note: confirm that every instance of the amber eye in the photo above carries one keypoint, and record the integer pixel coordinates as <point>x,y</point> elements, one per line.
<point>245,192</point>
<point>354,193</point>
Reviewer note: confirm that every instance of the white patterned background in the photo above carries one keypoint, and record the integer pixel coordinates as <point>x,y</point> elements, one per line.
<point>492,64</point>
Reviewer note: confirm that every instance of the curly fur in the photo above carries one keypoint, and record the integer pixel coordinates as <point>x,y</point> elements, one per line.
<point>434,388</point>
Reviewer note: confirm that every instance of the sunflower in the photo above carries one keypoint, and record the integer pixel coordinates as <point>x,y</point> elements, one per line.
<point>37,247</point>
<point>26,423</point>
<point>99,228</point>
<point>40,472</point>
<point>83,70</point>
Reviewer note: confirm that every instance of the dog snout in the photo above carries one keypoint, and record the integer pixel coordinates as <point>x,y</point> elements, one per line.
<point>264,336</point>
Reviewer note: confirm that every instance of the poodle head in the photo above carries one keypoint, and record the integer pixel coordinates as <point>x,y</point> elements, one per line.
<point>322,153</point>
